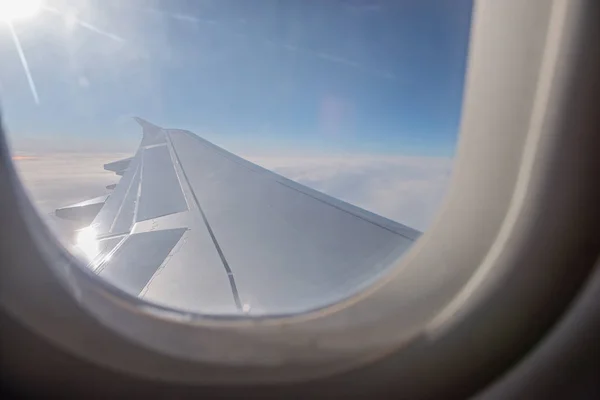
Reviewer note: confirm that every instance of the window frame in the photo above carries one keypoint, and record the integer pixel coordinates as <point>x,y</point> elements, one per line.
<point>463,304</point>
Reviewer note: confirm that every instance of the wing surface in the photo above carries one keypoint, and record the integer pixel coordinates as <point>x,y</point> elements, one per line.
<point>192,226</point>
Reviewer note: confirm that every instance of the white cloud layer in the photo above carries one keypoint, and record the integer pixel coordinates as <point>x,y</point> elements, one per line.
<point>59,179</point>
<point>54,180</point>
<point>405,189</point>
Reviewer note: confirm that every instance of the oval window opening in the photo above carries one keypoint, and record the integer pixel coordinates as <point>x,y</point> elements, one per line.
<point>226,158</point>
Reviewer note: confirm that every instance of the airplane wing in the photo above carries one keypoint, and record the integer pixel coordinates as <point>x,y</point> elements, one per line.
<point>192,226</point>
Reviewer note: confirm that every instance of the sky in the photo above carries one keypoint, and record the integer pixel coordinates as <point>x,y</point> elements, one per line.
<point>360,99</point>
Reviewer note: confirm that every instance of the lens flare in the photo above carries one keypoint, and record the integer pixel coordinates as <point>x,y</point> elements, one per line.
<point>87,243</point>
<point>12,10</point>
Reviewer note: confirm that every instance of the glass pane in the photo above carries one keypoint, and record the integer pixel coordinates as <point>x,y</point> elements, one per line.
<point>286,154</point>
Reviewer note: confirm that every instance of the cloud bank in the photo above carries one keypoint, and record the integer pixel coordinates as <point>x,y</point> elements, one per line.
<point>408,190</point>
<point>405,189</point>
<point>53,180</point>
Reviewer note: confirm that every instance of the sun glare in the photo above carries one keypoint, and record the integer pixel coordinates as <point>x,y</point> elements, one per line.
<point>87,243</point>
<point>11,10</point>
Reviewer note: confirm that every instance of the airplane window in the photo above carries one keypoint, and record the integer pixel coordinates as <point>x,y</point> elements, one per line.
<point>231,157</point>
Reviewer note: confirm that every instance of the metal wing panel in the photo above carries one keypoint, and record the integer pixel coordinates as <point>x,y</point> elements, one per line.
<point>83,211</point>
<point>118,166</point>
<point>287,251</point>
<point>104,249</point>
<point>106,217</point>
<point>124,218</point>
<point>134,263</point>
<point>193,277</point>
<point>160,192</point>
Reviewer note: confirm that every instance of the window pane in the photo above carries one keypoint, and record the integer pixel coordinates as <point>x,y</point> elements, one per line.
<point>325,138</point>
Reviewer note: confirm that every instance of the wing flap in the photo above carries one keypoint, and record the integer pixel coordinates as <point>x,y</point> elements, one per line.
<point>160,192</point>
<point>104,221</point>
<point>134,263</point>
<point>84,211</point>
<point>119,167</point>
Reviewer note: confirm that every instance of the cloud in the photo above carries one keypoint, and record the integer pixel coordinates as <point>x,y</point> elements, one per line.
<point>54,180</point>
<point>405,189</point>
<point>73,143</point>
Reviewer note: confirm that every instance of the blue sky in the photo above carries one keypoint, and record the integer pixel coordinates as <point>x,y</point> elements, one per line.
<point>340,76</point>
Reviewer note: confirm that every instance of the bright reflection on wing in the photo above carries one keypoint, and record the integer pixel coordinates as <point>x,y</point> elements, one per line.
<point>11,10</point>
<point>91,248</point>
<point>87,243</point>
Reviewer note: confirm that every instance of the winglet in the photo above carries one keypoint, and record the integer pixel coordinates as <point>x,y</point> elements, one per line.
<point>145,124</point>
<point>152,134</point>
